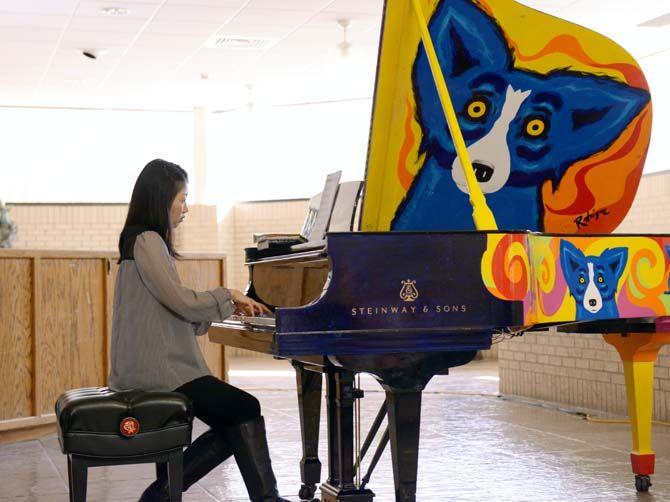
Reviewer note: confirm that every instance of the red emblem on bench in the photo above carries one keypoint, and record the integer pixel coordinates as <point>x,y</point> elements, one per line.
<point>129,426</point>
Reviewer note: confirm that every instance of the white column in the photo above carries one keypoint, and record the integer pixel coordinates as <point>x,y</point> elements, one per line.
<point>198,178</point>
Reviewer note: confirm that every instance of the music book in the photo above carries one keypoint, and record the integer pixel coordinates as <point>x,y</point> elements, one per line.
<point>316,224</point>
<point>266,241</point>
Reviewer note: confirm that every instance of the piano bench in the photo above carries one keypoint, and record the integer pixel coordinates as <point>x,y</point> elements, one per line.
<point>97,426</point>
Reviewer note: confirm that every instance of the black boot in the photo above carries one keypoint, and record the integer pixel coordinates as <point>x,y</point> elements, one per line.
<point>203,455</point>
<point>250,446</point>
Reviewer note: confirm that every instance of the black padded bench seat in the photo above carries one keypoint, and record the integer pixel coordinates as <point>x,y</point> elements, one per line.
<point>97,426</point>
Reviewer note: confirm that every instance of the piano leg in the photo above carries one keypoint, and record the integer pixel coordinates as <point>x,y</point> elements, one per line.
<point>340,486</point>
<point>309,406</point>
<point>638,352</point>
<point>331,410</point>
<point>404,413</point>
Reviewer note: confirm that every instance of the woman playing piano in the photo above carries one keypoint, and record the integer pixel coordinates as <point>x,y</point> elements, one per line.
<point>155,322</point>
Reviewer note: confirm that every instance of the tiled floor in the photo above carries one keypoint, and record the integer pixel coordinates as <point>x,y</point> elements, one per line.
<point>474,447</point>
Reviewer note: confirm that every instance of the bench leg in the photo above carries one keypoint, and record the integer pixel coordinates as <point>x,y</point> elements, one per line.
<point>161,470</point>
<point>77,477</point>
<point>175,474</point>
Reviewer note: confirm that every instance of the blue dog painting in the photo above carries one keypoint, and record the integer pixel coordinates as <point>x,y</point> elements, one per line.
<point>521,128</point>
<point>593,280</point>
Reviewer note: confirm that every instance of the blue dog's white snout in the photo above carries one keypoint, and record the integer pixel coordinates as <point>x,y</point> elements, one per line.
<point>490,154</point>
<point>593,300</point>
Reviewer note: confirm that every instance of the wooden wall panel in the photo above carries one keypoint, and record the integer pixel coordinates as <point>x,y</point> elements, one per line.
<point>203,275</point>
<point>55,326</point>
<point>16,344</point>
<point>71,343</point>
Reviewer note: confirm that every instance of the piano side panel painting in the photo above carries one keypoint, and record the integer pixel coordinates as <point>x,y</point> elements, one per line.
<point>556,117</point>
<point>583,278</point>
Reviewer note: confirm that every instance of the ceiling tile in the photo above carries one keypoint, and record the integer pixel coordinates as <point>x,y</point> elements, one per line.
<point>125,25</point>
<point>357,6</point>
<point>166,28</point>
<point>32,20</point>
<point>38,6</point>
<point>291,18</point>
<point>209,3</point>
<point>101,39</point>
<point>195,13</point>
<point>306,5</point>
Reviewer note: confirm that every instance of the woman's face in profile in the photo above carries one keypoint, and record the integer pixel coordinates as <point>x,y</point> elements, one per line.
<point>179,208</point>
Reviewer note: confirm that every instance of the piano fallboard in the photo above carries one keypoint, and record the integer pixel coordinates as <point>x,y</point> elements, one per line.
<point>415,282</point>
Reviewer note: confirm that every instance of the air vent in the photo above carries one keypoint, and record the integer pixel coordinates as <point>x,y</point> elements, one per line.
<point>657,22</point>
<point>232,42</point>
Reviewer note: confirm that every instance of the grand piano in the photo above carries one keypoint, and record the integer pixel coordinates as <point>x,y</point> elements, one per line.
<point>430,280</point>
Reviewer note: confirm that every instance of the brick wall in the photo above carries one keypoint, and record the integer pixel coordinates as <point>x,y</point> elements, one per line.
<point>243,220</point>
<point>96,227</point>
<point>582,371</point>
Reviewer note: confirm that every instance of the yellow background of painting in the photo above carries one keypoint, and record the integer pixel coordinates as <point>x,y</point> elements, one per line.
<point>393,119</point>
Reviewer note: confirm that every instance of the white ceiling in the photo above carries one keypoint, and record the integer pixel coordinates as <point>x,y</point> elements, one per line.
<point>155,55</point>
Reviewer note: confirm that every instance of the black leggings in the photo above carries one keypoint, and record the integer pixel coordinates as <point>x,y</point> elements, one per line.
<point>218,404</point>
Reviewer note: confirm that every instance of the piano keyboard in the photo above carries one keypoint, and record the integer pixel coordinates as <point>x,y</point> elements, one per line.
<point>265,321</point>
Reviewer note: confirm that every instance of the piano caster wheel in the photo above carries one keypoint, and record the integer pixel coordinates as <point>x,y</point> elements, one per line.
<point>642,483</point>
<point>307,493</point>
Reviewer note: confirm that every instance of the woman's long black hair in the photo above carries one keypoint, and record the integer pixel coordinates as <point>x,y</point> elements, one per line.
<point>155,189</point>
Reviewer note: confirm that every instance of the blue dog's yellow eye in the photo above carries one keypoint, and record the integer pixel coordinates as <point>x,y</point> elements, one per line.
<point>535,127</point>
<point>582,280</point>
<point>477,108</point>
<point>601,278</point>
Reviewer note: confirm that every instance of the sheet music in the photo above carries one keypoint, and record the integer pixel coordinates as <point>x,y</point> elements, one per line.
<point>345,206</point>
<point>325,206</point>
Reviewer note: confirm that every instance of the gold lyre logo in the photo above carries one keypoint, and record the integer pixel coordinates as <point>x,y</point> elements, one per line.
<point>408,292</point>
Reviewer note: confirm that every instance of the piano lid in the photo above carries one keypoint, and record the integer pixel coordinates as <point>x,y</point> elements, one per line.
<point>556,118</point>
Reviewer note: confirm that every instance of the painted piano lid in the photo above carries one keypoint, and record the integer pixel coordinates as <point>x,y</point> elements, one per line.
<point>557,119</point>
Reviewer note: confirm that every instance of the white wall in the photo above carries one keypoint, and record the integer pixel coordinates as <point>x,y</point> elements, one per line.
<point>65,155</point>
<point>54,155</point>
<point>285,152</point>
<point>655,68</point>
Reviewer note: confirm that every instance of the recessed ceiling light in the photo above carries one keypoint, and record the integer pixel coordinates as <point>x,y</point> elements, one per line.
<point>115,11</point>
<point>657,22</point>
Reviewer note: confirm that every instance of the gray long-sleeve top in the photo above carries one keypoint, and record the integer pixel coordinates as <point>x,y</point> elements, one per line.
<point>156,320</point>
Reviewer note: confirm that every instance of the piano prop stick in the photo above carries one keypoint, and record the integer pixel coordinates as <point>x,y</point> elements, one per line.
<point>481,214</point>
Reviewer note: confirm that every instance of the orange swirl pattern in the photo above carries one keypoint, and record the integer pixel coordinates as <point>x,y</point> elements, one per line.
<point>506,267</point>
<point>647,279</point>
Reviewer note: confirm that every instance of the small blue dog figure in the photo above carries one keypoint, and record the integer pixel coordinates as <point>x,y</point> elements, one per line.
<point>521,128</point>
<point>593,280</point>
